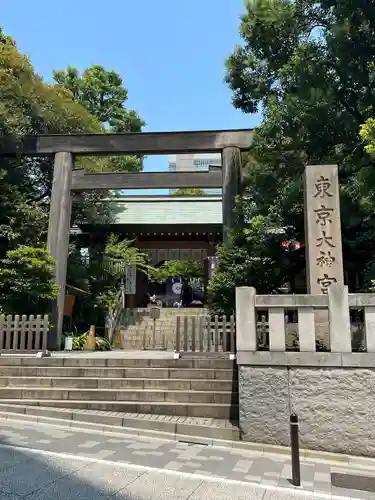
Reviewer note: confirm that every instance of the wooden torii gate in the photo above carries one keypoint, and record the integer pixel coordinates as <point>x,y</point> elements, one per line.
<point>67,180</point>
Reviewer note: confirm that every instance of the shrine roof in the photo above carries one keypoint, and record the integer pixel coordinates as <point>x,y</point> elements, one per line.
<point>153,210</point>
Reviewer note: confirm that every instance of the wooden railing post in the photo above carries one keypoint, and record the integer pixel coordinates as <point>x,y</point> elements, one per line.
<point>178,334</point>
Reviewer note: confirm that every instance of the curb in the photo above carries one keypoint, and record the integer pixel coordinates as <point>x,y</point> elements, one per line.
<point>258,448</point>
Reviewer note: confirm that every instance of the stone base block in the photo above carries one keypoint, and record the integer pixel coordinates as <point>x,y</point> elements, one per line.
<point>335,406</point>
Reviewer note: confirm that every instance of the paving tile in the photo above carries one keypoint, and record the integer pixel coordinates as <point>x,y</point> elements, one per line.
<point>148,453</point>
<point>91,482</point>
<point>190,465</point>
<point>10,458</point>
<point>307,472</point>
<point>215,458</point>
<point>253,479</point>
<point>307,485</point>
<point>323,487</point>
<point>153,445</point>
<point>323,477</point>
<point>343,492</point>
<point>284,482</point>
<point>191,452</point>
<point>243,466</point>
<point>281,494</point>
<point>159,486</point>
<point>236,464</point>
<point>89,444</point>
<point>173,465</point>
<point>269,482</point>
<point>362,495</point>
<point>222,491</point>
<point>286,471</point>
<point>99,454</point>
<point>272,475</point>
<point>263,464</point>
<point>8,496</point>
<point>34,474</point>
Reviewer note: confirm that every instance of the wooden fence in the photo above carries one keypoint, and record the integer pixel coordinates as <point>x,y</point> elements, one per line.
<point>205,334</point>
<point>179,330</point>
<point>23,333</point>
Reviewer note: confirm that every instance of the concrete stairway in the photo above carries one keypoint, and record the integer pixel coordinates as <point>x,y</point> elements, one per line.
<point>202,392</point>
<point>139,334</point>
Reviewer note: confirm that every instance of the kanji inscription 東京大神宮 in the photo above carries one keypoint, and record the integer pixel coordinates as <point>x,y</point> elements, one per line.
<point>323,228</point>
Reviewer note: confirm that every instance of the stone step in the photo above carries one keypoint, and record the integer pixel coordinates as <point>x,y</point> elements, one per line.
<point>133,394</point>
<point>115,372</point>
<point>197,361</point>
<point>217,411</point>
<point>182,311</point>
<point>188,429</point>
<point>117,383</point>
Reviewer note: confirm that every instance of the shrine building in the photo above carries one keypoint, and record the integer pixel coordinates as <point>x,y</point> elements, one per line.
<point>164,227</point>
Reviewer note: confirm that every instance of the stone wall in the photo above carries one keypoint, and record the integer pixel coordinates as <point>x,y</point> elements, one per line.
<point>332,393</point>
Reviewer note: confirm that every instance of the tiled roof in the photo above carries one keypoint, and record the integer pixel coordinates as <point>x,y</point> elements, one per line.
<point>170,210</point>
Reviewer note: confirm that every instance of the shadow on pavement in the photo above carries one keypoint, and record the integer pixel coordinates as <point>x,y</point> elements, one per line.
<point>42,477</point>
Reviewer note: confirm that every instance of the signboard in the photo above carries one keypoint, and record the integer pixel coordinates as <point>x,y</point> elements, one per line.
<point>155,313</point>
<point>130,279</point>
<point>173,287</point>
<point>211,263</point>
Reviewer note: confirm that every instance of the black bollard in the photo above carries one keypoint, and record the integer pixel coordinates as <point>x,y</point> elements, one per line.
<point>294,445</point>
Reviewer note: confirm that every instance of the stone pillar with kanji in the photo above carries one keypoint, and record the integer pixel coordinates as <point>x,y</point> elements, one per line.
<point>324,264</point>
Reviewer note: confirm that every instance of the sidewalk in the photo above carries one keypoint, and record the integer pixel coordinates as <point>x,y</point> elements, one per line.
<point>320,479</point>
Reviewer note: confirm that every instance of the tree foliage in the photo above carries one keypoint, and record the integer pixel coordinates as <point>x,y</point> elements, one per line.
<point>367,131</point>
<point>102,93</point>
<point>121,252</point>
<point>189,192</point>
<point>26,281</point>
<point>29,106</point>
<point>177,268</point>
<point>307,66</point>
<point>101,272</point>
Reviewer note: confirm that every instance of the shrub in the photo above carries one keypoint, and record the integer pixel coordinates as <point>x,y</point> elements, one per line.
<point>26,281</point>
<point>101,344</point>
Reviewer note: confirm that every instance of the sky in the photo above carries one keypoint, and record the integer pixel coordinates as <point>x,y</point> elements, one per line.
<point>170,53</point>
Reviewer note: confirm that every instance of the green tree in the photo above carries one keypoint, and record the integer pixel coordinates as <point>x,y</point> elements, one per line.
<point>189,192</point>
<point>367,131</point>
<point>101,272</point>
<point>119,253</point>
<point>177,268</point>
<point>30,106</point>
<point>368,135</point>
<point>26,281</point>
<point>102,93</point>
<point>253,256</point>
<point>307,66</point>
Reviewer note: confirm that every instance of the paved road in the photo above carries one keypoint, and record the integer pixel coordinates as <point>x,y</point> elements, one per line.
<point>43,462</point>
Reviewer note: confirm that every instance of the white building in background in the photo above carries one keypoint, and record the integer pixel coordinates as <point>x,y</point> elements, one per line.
<point>194,163</point>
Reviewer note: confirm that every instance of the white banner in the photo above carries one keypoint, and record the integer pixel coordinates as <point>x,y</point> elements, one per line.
<point>130,280</point>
